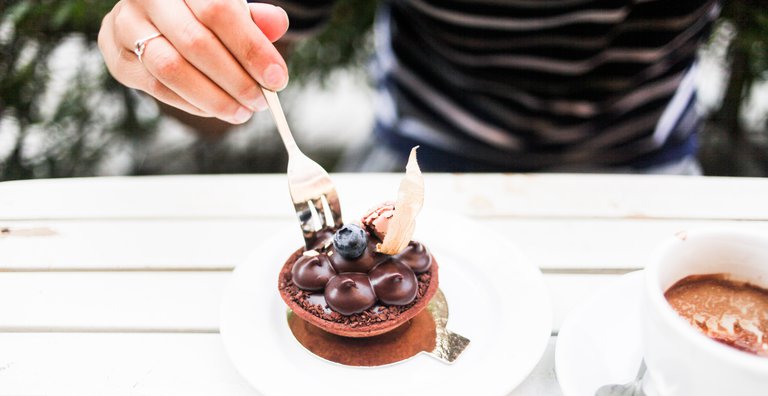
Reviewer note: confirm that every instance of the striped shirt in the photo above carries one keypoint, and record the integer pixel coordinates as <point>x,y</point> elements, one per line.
<point>527,85</point>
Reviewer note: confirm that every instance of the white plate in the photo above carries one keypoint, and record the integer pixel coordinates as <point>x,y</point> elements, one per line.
<point>496,298</point>
<point>600,342</point>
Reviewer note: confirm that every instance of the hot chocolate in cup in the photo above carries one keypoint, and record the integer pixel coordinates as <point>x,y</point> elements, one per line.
<point>681,359</point>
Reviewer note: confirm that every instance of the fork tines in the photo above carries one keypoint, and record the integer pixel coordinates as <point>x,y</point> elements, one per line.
<point>319,216</point>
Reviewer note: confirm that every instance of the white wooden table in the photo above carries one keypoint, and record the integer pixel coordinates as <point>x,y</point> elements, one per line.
<point>111,286</point>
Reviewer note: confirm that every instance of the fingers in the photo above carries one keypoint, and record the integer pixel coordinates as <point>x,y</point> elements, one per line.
<point>126,69</point>
<point>271,20</point>
<point>210,58</point>
<point>230,22</point>
<point>172,70</point>
<point>158,90</point>
<point>163,61</point>
<point>203,50</point>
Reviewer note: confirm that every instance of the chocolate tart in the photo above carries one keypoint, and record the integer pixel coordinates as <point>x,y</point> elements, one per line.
<point>378,319</point>
<point>369,277</point>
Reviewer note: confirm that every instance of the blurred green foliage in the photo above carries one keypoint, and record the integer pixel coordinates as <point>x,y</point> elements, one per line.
<point>729,147</point>
<point>345,43</point>
<point>72,137</point>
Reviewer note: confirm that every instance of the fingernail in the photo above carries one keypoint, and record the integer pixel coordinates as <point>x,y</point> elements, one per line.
<point>241,115</point>
<point>287,20</point>
<point>258,104</point>
<point>275,77</point>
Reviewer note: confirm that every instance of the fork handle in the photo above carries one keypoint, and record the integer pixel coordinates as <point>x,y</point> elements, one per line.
<point>282,124</point>
<point>277,112</point>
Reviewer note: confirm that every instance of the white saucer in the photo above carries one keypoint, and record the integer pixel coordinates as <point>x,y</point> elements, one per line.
<point>600,341</point>
<point>496,298</point>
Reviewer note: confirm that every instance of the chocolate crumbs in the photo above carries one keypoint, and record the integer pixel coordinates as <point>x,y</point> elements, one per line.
<point>376,314</point>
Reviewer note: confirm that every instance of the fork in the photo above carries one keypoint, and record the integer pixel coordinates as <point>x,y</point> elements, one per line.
<point>312,190</point>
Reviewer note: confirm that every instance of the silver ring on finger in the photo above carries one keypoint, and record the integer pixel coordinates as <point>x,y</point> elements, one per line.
<point>140,45</point>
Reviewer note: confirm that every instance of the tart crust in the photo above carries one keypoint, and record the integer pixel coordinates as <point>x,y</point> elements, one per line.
<point>361,329</point>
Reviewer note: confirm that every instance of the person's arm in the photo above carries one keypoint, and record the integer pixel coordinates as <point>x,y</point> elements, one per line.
<point>209,58</point>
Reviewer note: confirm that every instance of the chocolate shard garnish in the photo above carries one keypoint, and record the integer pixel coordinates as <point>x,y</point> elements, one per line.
<point>410,199</point>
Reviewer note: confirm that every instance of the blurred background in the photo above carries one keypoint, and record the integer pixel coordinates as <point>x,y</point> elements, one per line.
<point>62,115</point>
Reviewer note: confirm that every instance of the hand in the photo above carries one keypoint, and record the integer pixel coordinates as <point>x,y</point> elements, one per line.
<point>209,58</point>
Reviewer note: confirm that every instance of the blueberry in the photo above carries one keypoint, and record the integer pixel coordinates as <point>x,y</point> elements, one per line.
<point>350,241</point>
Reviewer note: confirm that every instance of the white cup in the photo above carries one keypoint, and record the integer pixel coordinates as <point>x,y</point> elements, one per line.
<point>680,359</point>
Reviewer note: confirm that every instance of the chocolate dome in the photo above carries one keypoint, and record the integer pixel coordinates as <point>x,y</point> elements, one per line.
<point>416,256</point>
<point>349,293</point>
<point>312,272</point>
<point>394,283</point>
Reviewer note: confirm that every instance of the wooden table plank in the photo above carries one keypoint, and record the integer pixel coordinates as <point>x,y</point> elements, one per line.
<point>165,301</point>
<point>591,245</point>
<point>135,244</point>
<point>484,195</point>
<point>36,364</point>
<point>117,365</point>
<point>554,244</point>
<point>111,301</point>
<point>612,196</point>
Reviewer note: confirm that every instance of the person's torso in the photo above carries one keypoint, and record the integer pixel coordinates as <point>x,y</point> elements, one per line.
<point>528,84</point>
